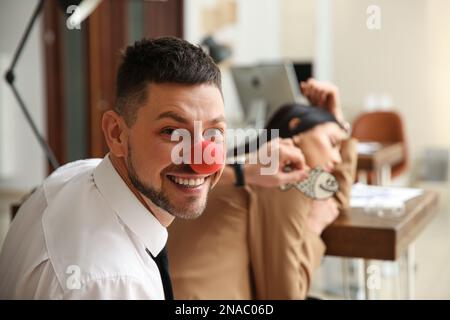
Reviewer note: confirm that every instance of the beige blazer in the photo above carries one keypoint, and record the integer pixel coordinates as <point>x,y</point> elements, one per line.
<point>251,242</point>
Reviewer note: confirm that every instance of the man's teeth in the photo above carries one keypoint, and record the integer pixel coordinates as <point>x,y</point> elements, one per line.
<point>188,182</point>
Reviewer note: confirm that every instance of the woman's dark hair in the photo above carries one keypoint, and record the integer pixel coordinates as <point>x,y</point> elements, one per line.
<point>308,116</point>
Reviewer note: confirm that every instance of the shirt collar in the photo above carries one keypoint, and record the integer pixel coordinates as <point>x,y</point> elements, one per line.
<point>130,210</point>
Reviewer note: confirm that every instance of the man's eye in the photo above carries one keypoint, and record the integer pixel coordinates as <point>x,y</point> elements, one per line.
<point>168,131</point>
<point>213,134</point>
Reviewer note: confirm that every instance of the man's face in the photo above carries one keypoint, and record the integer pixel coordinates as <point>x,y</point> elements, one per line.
<point>175,188</point>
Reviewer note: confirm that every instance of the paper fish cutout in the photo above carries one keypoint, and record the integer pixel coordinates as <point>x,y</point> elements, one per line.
<point>319,185</point>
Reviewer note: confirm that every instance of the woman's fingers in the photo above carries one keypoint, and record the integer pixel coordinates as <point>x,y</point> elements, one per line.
<point>291,154</point>
<point>293,158</point>
<point>286,141</point>
<point>291,177</point>
<point>321,94</point>
<point>334,211</point>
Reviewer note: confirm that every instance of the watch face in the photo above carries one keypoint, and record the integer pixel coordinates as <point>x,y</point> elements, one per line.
<point>319,185</point>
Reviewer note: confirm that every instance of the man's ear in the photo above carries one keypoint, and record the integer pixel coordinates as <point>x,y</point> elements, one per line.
<point>114,130</point>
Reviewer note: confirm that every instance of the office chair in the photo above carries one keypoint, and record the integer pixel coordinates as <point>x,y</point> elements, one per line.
<point>382,127</point>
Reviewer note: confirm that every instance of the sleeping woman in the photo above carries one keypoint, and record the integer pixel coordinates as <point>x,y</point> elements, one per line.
<point>255,242</point>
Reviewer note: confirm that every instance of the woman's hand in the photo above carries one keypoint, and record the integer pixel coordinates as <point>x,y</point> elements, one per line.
<point>323,213</point>
<point>324,95</point>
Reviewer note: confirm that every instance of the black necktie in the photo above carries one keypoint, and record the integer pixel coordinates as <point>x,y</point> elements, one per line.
<point>162,262</point>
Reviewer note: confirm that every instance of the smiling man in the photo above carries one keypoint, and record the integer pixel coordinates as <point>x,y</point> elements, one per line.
<point>96,229</point>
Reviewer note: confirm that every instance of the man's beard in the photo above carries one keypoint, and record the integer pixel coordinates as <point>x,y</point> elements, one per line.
<point>159,198</point>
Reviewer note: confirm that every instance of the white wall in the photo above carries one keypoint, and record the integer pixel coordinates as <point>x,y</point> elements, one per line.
<point>298,29</point>
<point>306,32</point>
<point>408,59</point>
<point>27,165</point>
<point>438,18</point>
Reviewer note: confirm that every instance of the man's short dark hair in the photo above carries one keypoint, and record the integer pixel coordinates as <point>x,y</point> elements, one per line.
<point>162,60</point>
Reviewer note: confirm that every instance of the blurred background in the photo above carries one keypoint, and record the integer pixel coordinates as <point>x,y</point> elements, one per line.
<point>384,55</point>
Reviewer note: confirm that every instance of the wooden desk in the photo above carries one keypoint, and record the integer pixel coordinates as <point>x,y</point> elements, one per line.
<point>358,234</point>
<point>381,161</point>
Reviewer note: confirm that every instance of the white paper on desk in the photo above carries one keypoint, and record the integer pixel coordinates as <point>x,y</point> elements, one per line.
<point>368,147</point>
<point>364,195</point>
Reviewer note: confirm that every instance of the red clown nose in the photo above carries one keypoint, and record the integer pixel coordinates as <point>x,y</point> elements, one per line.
<point>207,157</point>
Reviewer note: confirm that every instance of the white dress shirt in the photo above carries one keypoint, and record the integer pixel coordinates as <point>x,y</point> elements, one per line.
<point>82,235</point>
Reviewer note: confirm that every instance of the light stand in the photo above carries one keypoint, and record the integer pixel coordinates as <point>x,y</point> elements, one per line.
<point>10,77</point>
